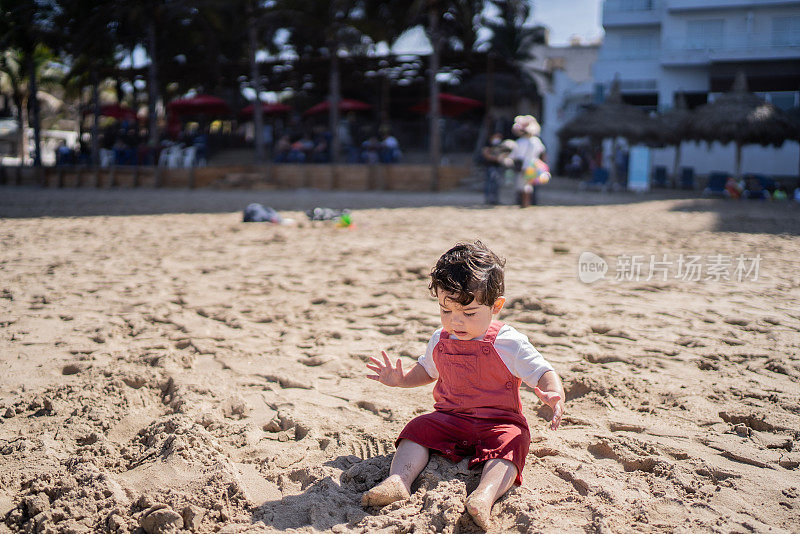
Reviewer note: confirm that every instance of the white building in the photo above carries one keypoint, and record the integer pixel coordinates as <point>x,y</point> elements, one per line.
<point>659,48</point>
<point>566,91</point>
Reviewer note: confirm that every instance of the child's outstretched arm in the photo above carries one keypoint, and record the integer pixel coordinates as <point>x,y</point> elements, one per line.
<point>551,392</point>
<point>394,376</point>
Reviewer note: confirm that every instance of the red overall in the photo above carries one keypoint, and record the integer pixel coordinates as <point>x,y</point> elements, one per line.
<point>478,411</point>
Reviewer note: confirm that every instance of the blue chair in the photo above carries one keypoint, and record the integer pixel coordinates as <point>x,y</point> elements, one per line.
<point>767,182</point>
<point>687,178</point>
<point>660,176</point>
<point>716,184</point>
<point>598,181</point>
<point>756,187</point>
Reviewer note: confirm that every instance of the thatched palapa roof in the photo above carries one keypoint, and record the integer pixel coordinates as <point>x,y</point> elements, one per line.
<point>744,118</point>
<point>613,118</point>
<point>673,126</point>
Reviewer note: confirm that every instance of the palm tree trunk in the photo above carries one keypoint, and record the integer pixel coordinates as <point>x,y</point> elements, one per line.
<point>255,77</point>
<point>489,92</point>
<point>738,161</point>
<point>152,88</point>
<point>134,94</point>
<point>334,100</point>
<point>95,116</point>
<point>385,88</point>
<point>676,165</point>
<point>434,109</point>
<point>22,120</point>
<point>33,100</point>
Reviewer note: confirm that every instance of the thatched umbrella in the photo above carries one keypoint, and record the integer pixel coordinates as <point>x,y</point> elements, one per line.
<point>672,128</point>
<point>613,118</point>
<point>741,117</point>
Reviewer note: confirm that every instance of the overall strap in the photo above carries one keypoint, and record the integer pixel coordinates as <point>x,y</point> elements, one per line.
<point>443,335</point>
<point>491,334</point>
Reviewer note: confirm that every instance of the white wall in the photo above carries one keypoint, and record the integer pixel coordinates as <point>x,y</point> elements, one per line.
<point>755,158</point>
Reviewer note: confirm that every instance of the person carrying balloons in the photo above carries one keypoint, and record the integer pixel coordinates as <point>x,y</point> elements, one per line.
<point>528,159</point>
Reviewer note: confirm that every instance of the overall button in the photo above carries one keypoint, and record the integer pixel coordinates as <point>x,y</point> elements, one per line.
<point>465,443</point>
<point>485,350</point>
<point>508,385</point>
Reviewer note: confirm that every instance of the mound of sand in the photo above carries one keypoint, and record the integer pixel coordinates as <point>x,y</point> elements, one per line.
<point>170,372</point>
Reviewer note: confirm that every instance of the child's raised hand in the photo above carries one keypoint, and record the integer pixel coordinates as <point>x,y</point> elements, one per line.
<point>555,402</point>
<point>386,374</point>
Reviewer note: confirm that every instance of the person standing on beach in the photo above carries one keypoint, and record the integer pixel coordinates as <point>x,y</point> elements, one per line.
<point>529,148</point>
<point>491,154</point>
<point>478,364</point>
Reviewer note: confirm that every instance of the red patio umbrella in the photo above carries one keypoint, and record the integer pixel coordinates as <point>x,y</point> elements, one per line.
<point>450,105</point>
<point>345,104</point>
<point>206,104</point>
<point>115,111</point>
<point>266,109</point>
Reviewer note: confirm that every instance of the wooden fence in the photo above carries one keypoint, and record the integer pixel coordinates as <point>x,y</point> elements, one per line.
<point>396,177</point>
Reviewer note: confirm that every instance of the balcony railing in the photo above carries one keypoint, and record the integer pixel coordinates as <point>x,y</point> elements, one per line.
<point>632,12</point>
<point>630,5</point>
<point>615,54</point>
<point>692,5</point>
<point>731,47</point>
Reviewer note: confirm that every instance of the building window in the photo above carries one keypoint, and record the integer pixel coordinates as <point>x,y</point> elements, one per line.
<point>784,100</point>
<point>704,34</point>
<point>637,47</point>
<point>786,31</point>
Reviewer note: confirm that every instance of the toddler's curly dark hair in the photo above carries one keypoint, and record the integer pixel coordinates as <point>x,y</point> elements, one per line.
<point>471,271</point>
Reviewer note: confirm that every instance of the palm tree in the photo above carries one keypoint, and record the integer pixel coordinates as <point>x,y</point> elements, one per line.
<point>22,27</point>
<point>12,79</point>
<point>15,79</point>
<point>384,21</point>
<point>513,39</point>
<point>325,28</point>
<point>442,18</point>
<point>155,25</point>
<point>86,36</point>
<point>260,21</point>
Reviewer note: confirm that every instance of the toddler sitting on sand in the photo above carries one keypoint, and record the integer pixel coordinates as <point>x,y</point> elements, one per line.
<point>478,364</point>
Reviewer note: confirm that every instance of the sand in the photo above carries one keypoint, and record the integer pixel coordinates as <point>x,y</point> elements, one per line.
<point>177,370</point>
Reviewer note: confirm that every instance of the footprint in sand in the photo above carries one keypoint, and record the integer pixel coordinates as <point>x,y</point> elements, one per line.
<point>369,447</point>
<point>384,413</point>
<point>633,455</point>
<point>612,332</point>
<point>737,321</point>
<point>391,330</point>
<point>315,361</point>
<point>74,368</point>
<point>286,382</point>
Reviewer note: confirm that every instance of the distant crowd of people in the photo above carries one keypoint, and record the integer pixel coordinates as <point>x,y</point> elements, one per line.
<point>357,143</point>
<point>317,149</point>
<point>121,145</point>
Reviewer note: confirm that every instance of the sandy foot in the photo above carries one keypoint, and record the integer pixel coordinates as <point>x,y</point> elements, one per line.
<point>390,490</point>
<point>479,507</point>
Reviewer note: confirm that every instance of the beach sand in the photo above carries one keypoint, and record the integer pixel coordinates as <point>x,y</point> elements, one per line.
<point>175,369</point>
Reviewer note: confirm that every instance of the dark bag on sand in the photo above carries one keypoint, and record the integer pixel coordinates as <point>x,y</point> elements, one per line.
<point>258,213</point>
<point>325,214</point>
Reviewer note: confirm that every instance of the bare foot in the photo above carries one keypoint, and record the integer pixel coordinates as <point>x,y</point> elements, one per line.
<point>390,490</point>
<point>479,507</point>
